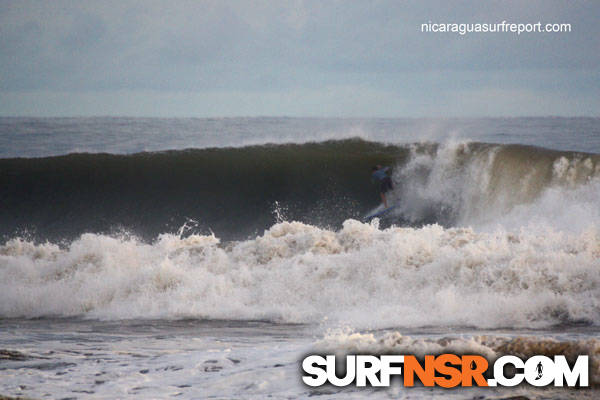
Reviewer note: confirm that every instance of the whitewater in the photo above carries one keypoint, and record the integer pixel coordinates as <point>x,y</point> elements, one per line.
<point>207,267</point>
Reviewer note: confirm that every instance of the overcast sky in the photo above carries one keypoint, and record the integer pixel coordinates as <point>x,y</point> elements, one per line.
<point>295,58</point>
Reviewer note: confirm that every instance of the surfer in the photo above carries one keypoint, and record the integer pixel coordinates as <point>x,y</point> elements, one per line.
<point>539,370</point>
<point>380,175</point>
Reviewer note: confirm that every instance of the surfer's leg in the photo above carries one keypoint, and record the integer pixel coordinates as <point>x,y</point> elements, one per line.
<point>386,186</point>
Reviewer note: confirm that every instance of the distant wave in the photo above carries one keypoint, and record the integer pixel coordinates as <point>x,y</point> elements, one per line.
<point>239,192</point>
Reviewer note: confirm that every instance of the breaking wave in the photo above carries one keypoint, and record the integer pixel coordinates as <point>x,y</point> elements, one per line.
<point>483,235</point>
<point>234,191</point>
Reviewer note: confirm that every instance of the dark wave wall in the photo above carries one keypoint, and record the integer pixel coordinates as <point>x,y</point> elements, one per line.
<point>232,191</point>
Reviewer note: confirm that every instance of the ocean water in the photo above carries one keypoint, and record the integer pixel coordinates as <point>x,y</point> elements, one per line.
<point>204,258</point>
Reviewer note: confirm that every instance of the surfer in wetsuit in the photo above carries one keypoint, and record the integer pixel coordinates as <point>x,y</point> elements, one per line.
<point>380,175</point>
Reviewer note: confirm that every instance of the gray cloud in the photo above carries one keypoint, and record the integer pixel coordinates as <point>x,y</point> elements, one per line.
<point>219,50</point>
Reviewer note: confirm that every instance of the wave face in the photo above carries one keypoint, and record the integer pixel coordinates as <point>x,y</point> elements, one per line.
<point>239,192</point>
<point>234,191</point>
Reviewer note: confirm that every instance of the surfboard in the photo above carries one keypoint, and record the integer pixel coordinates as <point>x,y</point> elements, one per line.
<point>378,212</point>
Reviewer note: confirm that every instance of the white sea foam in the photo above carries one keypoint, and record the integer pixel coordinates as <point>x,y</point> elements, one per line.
<point>360,275</point>
<point>491,186</point>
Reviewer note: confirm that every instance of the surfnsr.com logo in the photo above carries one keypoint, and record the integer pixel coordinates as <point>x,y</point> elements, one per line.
<point>445,370</point>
